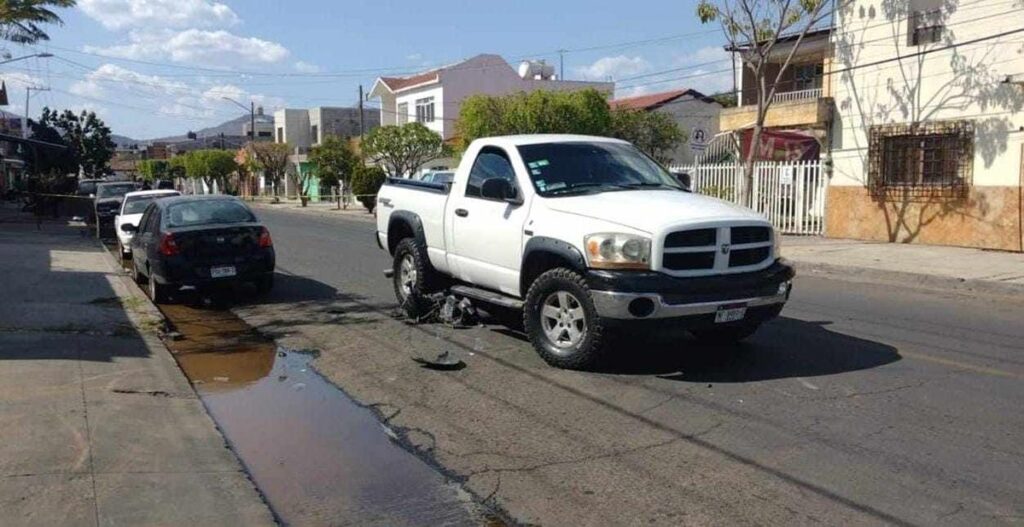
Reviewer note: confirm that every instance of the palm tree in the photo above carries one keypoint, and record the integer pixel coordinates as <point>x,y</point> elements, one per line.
<point>20,19</point>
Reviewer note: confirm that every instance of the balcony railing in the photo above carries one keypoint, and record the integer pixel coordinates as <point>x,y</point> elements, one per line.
<point>800,95</point>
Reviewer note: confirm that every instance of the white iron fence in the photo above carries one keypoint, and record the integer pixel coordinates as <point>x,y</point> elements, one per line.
<point>791,195</point>
<point>799,95</point>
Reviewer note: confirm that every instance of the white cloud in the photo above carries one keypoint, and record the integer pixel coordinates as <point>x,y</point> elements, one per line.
<point>707,70</point>
<point>306,67</point>
<point>97,81</point>
<point>196,46</point>
<point>127,14</point>
<point>211,102</point>
<point>613,68</point>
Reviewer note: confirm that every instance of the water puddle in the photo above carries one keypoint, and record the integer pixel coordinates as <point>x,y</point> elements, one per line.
<point>317,456</point>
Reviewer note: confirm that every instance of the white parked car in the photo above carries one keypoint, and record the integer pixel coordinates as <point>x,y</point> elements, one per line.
<point>130,213</point>
<point>585,235</point>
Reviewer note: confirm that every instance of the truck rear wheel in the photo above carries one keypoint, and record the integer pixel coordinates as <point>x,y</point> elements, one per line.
<point>561,321</point>
<point>412,278</point>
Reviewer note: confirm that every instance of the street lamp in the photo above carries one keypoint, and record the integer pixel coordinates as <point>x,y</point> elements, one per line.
<point>28,90</point>
<point>252,115</point>
<point>37,55</point>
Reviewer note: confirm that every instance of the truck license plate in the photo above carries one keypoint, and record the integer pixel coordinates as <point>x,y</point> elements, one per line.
<point>730,314</point>
<point>222,271</point>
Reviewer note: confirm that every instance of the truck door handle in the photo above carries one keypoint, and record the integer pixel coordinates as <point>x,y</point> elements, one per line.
<point>462,213</point>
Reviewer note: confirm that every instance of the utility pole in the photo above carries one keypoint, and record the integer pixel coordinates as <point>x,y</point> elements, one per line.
<point>361,124</point>
<point>24,118</point>
<point>561,64</point>
<point>252,121</point>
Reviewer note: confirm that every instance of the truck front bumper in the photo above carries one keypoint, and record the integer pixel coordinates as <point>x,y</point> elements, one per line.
<point>627,295</point>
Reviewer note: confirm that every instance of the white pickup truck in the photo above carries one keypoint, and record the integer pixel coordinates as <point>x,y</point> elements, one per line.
<point>586,235</point>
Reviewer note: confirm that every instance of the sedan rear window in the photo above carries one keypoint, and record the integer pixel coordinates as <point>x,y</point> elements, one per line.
<point>138,204</point>
<point>208,212</point>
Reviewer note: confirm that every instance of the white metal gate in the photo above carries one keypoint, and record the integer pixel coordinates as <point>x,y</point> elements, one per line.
<point>791,195</point>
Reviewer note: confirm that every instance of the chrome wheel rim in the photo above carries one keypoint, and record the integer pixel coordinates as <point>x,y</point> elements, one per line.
<point>407,275</point>
<point>563,319</point>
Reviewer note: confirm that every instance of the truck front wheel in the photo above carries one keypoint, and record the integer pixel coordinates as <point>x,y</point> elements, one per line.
<point>412,278</point>
<point>561,321</point>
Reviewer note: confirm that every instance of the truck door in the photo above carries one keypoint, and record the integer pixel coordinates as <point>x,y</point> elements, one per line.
<point>487,234</point>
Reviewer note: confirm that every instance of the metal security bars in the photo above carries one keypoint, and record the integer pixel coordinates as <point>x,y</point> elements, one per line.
<point>925,158</point>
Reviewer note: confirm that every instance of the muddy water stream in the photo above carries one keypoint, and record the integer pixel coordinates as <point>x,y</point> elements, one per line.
<point>317,456</point>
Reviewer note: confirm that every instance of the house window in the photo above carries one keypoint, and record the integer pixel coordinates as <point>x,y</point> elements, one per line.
<point>807,76</point>
<point>403,113</point>
<point>936,154</point>
<point>925,22</point>
<point>314,133</point>
<point>425,110</point>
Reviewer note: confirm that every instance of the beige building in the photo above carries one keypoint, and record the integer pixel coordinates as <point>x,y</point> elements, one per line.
<point>929,133</point>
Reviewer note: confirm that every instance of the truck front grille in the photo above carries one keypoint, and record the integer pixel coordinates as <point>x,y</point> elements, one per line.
<point>716,249</point>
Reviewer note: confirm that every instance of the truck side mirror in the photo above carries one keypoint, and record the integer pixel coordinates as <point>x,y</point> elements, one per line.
<point>685,180</point>
<point>500,189</point>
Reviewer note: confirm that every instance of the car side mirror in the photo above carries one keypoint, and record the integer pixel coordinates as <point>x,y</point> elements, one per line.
<point>129,228</point>
<point>685,180</point>
<point>500,189</point>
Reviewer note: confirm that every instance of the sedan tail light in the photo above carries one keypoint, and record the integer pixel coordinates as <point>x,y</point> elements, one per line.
<point>265,239</point>
<point>168,247</point>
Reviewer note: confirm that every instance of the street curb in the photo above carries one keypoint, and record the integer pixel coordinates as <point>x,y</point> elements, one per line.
<point>904,279</point>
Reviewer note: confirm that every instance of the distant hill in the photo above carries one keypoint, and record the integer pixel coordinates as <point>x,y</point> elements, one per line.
<point>123,141</point>
<point>232,127</point>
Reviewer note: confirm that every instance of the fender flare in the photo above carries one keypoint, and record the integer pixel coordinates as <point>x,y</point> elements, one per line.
<point>553,246</point>
<point>412,220</point>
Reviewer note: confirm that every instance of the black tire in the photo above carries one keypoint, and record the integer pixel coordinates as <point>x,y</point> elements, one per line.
<point>137,275</point>
<point>158,293</point>
<point>725,335</point>
<point>412,295</point>
<point>264,285</point>
<point>586,350</point>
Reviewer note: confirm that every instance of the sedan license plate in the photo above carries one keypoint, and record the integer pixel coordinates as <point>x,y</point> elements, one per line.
<point>222,271</point>
<point>730,314</point>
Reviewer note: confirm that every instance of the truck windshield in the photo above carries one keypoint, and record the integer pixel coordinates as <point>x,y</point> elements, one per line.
<point>568,168</point>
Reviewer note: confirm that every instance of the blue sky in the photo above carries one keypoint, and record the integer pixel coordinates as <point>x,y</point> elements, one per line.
<point>153,68</point>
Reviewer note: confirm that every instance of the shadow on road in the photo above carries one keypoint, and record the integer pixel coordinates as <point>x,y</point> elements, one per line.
<point>783,348</point>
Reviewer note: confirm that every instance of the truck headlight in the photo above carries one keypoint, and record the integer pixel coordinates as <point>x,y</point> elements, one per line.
<point>617,251</point>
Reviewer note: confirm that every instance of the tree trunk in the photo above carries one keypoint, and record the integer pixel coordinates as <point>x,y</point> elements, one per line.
<point>747,194</point>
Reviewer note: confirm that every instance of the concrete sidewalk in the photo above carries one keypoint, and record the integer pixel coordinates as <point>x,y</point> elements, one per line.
<point>98,426</point>
<point>356,211</point>
<point>925,265</point>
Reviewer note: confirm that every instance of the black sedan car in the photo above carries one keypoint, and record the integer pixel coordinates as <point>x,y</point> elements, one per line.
<point>200,241</point>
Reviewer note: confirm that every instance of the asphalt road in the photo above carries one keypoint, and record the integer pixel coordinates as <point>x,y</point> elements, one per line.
<point>863,404</point>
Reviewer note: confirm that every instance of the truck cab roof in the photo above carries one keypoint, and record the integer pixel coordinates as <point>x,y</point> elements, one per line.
<point>533,139</point>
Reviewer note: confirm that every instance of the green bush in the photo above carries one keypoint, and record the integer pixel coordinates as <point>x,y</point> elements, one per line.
<point>366,181</point>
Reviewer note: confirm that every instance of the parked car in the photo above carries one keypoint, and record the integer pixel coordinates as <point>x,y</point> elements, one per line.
<point>87,187</point>
<point>108,201</point>
<point>438,177</point>
<point>585,235</point>
<point>164,184</point>
<point>200,241</point>
<point>132,207</point>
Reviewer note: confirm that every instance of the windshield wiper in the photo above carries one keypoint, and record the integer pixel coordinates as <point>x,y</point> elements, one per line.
<point>648,184</point>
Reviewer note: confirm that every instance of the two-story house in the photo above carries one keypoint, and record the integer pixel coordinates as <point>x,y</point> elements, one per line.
<point>928,143</point>
<point>434,97</point>
<point>801,112</point>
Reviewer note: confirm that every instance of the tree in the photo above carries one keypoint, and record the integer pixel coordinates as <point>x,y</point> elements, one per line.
<point>753,27</point>
<point>335,161</point>
<point>87,137</point>
<point>209,166</point>
<point>50,162</point>
<point>366,182</point>
<point>577,112</point>
<point>272,159</point>
<point>20,20</point>
<point>402,150</point>
<point>154,169</point>
<point>655,133</point>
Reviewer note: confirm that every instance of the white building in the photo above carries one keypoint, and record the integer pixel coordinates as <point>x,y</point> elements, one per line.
<point>695,113</point>
<point>927,142</point>
<point>264,126</point>
<point>302,128</point>
<point>435,97</point>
